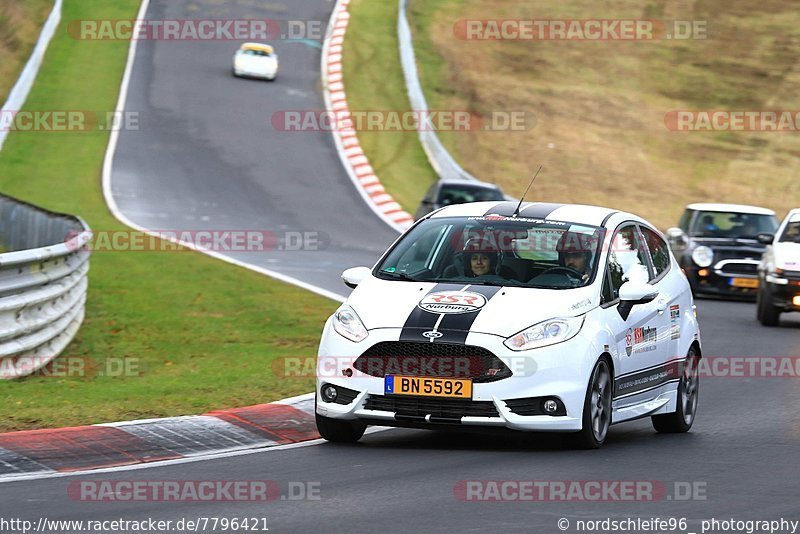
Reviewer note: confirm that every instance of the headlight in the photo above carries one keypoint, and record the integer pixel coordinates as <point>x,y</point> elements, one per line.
<point>347,323</point>
<point>776,276</point>
<point>703,256</point>
<point>546,333</point>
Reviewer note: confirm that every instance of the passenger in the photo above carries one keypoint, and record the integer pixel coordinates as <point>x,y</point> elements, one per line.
<point>478,258</point>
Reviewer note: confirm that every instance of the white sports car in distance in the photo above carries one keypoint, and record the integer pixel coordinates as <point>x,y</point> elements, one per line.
<point>255,60</point>
<point>545,317</point>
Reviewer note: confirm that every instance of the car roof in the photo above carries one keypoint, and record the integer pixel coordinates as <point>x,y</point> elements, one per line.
<point>468,183</point>
<point>737,208</point>
<point>576,213</point>
<point>257,46</point>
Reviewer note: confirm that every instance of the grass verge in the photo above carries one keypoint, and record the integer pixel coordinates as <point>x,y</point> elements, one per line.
<point>199,334</point>
<point>21,22</point>
<point>374,82</point>
<point>597,109</point>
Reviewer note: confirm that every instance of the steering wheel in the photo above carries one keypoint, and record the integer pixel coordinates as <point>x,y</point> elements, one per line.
<point>569,271</point>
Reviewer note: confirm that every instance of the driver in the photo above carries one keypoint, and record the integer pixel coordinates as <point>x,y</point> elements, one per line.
<point>574,252</point>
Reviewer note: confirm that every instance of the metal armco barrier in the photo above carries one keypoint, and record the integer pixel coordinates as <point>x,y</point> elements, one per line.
<point>438,156</point>
<point>44,269</point>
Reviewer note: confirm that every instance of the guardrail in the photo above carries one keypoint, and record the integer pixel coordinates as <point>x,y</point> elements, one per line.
<point>438,156</point>
<point>44,268</point>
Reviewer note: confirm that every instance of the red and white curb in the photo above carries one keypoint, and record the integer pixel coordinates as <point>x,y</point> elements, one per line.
<point>114,445</point>
<point>347,145</point>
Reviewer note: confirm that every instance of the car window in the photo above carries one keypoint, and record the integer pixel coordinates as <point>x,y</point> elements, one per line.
<point>419,256</point>
<point>791,234</point>
<point>496,250</point>
<point>258,53</point>
<point>686,218</point>
<point>659,251</point>
<point>627,260</point>
<point>732,225</point>
<point>461,194</point>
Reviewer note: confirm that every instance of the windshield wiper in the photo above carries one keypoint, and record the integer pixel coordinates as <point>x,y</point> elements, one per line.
<point>399,276</point>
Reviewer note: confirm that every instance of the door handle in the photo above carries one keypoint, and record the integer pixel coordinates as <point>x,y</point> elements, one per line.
<point>662,306</point>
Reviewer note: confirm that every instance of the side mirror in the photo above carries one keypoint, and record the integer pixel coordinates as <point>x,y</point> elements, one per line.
<point>632,294</point>
<point>354,276</point>
<point>677,238</point>
<point>765,238</point>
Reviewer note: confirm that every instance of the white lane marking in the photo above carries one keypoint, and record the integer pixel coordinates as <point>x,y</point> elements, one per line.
<point>168,463</point>
<point>112,204</point>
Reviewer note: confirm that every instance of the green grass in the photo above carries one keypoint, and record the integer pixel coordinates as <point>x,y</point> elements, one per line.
<point>21,22</point>
<point>602,105</point>
<point>596,109</point>
<point>203,334</point>
<point>374,82</point>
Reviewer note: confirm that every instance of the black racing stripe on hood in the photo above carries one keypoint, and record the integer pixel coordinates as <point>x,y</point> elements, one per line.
<point>419,320</point>
<point>540,210</point>
<point>453,327</point>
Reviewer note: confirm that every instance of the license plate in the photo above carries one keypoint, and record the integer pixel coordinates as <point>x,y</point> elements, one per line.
<point>744,282</point>
<point>457,388</point>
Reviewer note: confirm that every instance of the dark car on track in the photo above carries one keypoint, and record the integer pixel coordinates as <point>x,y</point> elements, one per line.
<point>718,247</point>
<point>447,192</point>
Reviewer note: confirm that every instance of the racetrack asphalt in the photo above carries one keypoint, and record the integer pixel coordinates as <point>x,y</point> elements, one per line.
<point>205,150</point>
<point>740,458</point>
<point>206,155</point>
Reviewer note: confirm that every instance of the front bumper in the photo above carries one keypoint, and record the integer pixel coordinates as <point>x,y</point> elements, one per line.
<point>268,74</point>
<point>719,283</point>
<point>783,295</point>
<point>560,371</point>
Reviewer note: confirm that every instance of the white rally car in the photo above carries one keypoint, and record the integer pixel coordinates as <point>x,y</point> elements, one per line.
<point>546,317</point>
<point>779,271</point>
<point>255,60</point>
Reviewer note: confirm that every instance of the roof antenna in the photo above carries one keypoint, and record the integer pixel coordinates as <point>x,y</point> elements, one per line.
<point>516,211</point>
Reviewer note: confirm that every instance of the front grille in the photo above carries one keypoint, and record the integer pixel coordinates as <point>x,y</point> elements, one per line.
<point>420,407</point>
<point>408,358</point>
<point>740,268</point>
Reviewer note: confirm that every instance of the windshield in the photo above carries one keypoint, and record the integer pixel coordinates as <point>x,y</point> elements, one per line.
<point>461,194</point>
<point>791,234</point>
<point>499,251</point>
<point>732,225</point>
<point>256,53</point>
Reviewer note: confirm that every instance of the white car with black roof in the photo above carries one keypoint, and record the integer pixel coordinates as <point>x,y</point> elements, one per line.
<point>533,317</point>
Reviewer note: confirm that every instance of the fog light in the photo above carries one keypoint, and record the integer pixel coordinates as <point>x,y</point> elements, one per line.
<point>550,406</point>
<point>702,272</point>
<point>329,393</point>
<point>796,300</point>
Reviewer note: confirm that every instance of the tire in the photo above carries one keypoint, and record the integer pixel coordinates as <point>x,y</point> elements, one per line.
<point>766,313</point>
<point>681,420</point>
<point>339,431</point>
<point>596,418</point>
